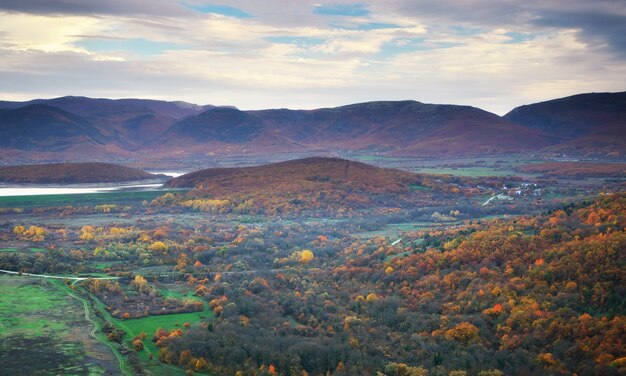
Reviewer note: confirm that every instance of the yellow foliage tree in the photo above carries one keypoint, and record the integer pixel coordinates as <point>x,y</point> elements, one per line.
<point>306,256</point>
<point>158,247</point>
<point>201,363</point>
<point>139,281</point>
<point>86,236</point>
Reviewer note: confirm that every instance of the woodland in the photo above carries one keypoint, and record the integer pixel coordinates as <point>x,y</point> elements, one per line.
<point>330,275</point>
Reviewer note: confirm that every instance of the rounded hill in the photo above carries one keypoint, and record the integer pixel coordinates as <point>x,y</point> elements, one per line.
<point>72,173</point>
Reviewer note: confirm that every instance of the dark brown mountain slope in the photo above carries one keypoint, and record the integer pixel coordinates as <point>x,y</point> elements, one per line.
<point>310,183</point>
<point>307,172</point>
<point>103,129</point>
<point>589,124</point>
<point>72,173</point>
<point>404,127</point>
<point>40,127</point>
<point>126,123</point>
<point>226,125</point>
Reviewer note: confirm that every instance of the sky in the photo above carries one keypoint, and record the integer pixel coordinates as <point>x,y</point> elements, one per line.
<point>302,54</point>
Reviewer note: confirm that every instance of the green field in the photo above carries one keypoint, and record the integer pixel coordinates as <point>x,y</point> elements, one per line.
<point>393,230</point>
<point>88,199</point>
<point>468,171</point>
<point>372,158</point>
<point>40,321</point>
<point>24,307</point>
<point>151,324</point>
<point>12,249</point>
<point>106,264</point>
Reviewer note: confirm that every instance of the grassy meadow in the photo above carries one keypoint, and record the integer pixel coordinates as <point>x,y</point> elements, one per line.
<point>39,321</point>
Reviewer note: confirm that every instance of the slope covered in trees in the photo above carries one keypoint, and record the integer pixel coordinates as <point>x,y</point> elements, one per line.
<point>318,183</point>
<point>306,182</point>
<point>577,169</point>
<point>317,295</point>
<point>71,173</point>
<point>530,295</point>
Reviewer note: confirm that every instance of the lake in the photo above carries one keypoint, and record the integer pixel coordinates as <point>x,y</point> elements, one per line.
<point>59,189</point>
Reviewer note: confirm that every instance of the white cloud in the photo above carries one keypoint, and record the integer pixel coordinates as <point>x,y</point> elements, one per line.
<point>43,33</point>
<point>208,58</point>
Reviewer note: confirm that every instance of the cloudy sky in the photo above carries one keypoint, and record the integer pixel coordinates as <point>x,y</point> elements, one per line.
<point>306,54</point>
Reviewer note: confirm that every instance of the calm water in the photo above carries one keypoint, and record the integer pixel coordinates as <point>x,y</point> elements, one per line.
<point>73,189</point>
<point>58,189</point>
<point>171,173</point>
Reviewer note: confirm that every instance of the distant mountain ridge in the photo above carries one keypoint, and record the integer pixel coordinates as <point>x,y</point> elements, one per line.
<point>591,124</point>
<point>126,123</point>
<point>41,127</point>
<point>400,128</point>
<point>75,128</point>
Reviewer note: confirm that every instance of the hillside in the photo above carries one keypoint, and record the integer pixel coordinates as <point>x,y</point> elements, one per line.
<point>128,123</point>
<point>71,173</point>
<point>79,128</point>
<point>39,127</point>
<point>528,295</point>
<point>576,169</point>
<point>226,125</point>
<point>124,123</point>
<point>403,127</point>
<point>309,183</point>
<point>588,124</point>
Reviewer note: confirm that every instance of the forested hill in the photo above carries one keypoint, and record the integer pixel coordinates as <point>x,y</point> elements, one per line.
<point>317,183</point>
<point>303,183</point>
<point>72,173</point>
<point>530,295</point>
<point>297,175</point>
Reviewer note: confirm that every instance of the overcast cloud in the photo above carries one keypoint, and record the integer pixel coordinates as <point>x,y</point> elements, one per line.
<point>307,54</point>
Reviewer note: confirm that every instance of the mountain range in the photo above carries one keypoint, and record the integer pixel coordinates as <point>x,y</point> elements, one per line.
<point>80,128</point>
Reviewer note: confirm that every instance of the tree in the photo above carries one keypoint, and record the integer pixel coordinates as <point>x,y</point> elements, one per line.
<point>201,363</point>
<point>158,247</point>
<point>401,369</point>
<point>86,236</point>
<point>185,358</point>
<point>306,256</point>
<point>138,345</point>
<point>139,283</point>
<point>463,332</point>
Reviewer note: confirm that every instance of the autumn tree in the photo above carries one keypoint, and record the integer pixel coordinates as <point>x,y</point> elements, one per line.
<point>463,332</point>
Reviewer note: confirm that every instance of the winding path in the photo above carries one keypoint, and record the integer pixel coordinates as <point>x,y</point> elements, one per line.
<point>96,327</point>
<point>95,324</point>
<point>488,201</point>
